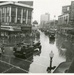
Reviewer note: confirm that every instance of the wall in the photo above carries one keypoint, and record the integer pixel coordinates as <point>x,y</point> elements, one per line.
<point>72,13</point>
<point>63,19</point>
<point>65,9</point>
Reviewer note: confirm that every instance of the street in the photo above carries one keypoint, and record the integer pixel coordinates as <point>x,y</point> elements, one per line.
<point>40,60</point>
<point>37,36</point>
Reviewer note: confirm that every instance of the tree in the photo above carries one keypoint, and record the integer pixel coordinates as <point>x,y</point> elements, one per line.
<point>35,22</point>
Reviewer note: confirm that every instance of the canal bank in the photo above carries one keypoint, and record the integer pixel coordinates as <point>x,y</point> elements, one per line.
<point>41,61</point>
<point>62,67</point>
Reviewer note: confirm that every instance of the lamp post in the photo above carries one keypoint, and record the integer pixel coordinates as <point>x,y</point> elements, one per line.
<point>51,57</point>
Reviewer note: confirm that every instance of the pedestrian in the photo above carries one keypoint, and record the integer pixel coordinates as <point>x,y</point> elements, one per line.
<point>2,48</point>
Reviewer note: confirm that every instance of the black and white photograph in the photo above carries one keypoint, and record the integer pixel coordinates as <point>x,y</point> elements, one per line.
<point>36,36</point>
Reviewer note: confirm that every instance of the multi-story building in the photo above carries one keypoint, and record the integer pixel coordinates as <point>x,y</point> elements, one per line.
<point>65,9</point>
<point>63,19</point>
<point>67,16</point>
<point>16,15</point>
<point>45,18</point>
<point>72,13</point>
<point>66,20</point>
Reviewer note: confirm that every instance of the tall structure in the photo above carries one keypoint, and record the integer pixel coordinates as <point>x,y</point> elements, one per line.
<point>67,16</point>
<point>72,13</point>
<point>64,18</point>
<point>45,18</point>
<point>65,9</point>
<point>17,15</point>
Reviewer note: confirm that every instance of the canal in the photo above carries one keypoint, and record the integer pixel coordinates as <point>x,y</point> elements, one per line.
<point>62,47</point>
<point>43,58</point>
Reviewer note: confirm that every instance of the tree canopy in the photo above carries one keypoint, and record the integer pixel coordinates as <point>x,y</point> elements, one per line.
<point>35,22</point>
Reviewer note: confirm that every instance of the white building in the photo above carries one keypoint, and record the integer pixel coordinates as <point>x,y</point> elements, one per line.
<point>15,17</point>
<point>45,18</point>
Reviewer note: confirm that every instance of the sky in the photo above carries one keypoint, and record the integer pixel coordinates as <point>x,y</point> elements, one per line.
<point>53,7</point>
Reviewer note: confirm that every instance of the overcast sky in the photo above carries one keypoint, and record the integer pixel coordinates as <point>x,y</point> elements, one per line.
<point>53,7</point>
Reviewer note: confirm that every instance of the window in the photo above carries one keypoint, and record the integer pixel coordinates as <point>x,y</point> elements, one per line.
<point>7,14</point>
<point>8,9</point>
<point>13,11</point>
<point>3,10</point>
<point>13,14</point>
<point>24,15</point>
<point>19,12</point>
<point>3,14</point>
<point>29,14</point>
<point>13,19</point>
<point>2,19</point>
<point>0,14</point>
<point>19,15</point>
<point>67,8</point>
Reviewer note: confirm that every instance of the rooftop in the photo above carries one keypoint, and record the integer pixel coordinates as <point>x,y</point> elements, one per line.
<point>16,3</point>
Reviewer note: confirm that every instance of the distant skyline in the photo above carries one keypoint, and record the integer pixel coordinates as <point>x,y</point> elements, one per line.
<point>53,7</point>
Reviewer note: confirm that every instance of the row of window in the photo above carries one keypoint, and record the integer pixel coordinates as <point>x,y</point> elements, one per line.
<point>4,14</point>
<point>5,11</point>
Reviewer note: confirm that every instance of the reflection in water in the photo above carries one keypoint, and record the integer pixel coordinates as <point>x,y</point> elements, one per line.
<point>14,39</point>
<point>42,62</point>
<point>51,40</point>
<point>62,47</point>
<point>67,43</point>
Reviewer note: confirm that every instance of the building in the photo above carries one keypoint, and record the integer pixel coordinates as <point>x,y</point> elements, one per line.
<point>63,19</point>
<point>16,15</point>
<point>72,13</point>
<point>66,19</point>
<point>45,18</point>
<point>65,9</point>
<point>67,16</point>
<point>26,2</point>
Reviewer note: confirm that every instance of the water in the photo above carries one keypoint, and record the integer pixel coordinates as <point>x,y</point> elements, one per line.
<point>43,60</point>
<point>62,47</point>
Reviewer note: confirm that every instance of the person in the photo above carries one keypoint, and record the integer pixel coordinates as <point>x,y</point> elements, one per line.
<point>2,48</point>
